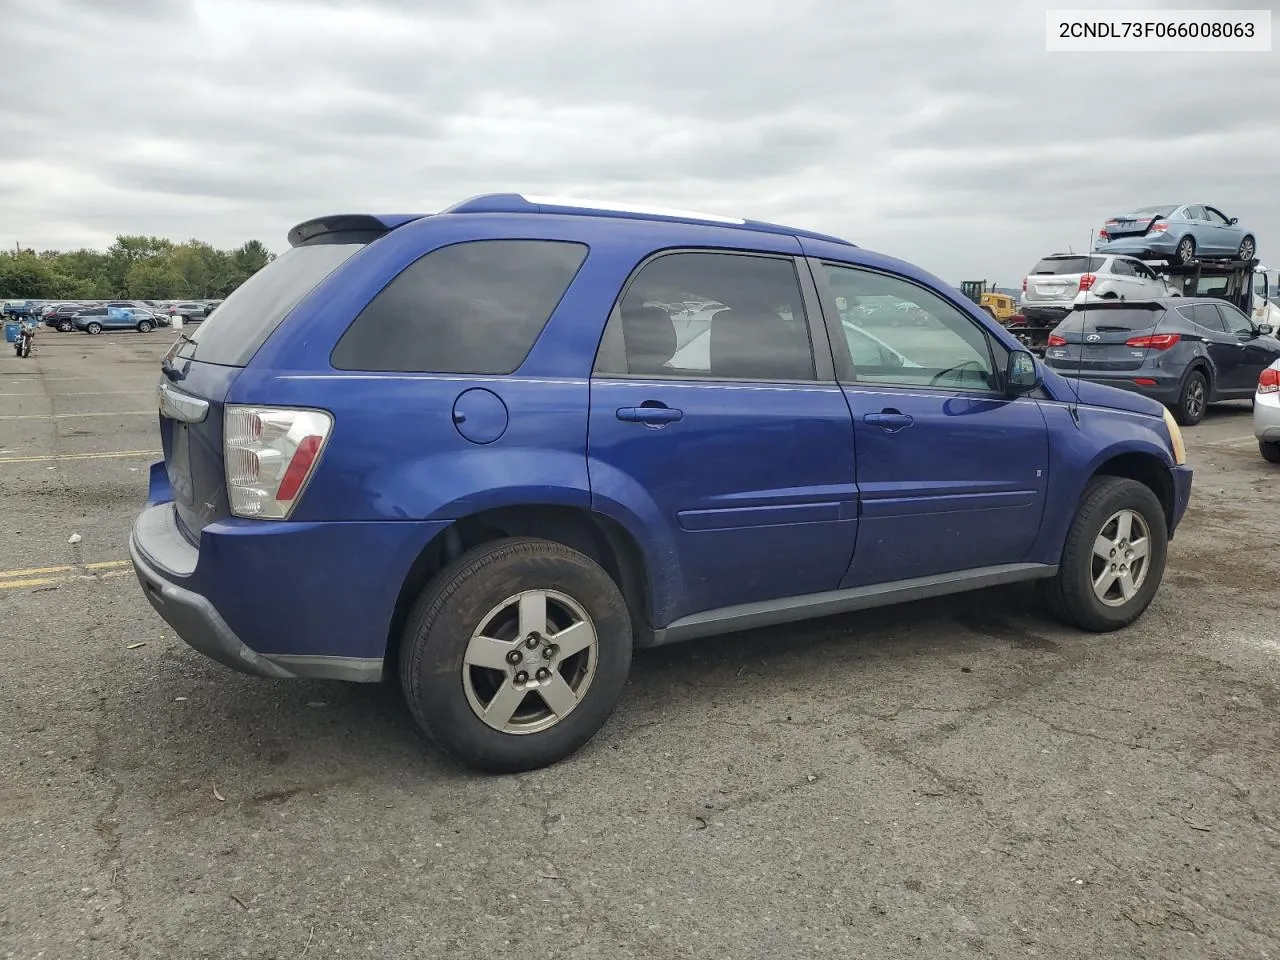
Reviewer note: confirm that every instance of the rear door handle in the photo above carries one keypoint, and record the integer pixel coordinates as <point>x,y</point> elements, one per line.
<point>650,414</point>
<point>890,421</point>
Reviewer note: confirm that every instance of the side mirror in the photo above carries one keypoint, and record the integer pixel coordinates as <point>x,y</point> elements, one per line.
<point>1233,221</point>
<point>1021,375</point>
<point>1266,329</point>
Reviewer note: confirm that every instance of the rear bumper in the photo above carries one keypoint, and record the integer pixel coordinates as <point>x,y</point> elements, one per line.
<point>283,600</point>
<point>1266,419</point>
<point>1155,245</point>
<point>1164,390</point>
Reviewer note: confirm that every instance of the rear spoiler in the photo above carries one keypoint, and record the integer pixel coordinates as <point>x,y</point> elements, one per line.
<point>348,228</point>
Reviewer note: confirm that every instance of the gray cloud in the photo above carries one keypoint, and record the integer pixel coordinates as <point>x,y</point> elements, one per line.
<point>936,131</point>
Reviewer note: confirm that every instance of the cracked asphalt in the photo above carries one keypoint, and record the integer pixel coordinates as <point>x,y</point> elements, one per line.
<point>955,778</point>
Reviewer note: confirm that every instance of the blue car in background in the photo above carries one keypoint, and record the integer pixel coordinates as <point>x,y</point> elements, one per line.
<point>1178,233</point>
<point>97,319</point>
<point>469,451</point>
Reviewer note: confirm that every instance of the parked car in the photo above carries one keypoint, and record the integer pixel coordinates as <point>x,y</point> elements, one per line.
<point>1266,413</point>
<point>1178,232</point>
<point>1184,352</point>
<point>454,450</point>
<point>60,317</point>
<point>95,320</point>
<point>188,310</point>
<point>1060,280</point>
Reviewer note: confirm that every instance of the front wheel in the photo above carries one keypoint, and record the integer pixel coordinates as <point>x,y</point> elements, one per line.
<point>1113,559</point>
<point>1247,249</point>
<point>65,326</point>
<point>1270,450</point>
<point>94,328</point>
<point>516,654</point>
<point>1192,400</point>
<point>144,326</point>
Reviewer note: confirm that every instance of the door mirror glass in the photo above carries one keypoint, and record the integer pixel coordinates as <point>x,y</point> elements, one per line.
<point>1233,221</point>
<point>1022,375</point>
<point>1266,329</point>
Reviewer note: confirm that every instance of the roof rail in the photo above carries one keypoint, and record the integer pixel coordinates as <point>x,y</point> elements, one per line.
<point>529,203</point>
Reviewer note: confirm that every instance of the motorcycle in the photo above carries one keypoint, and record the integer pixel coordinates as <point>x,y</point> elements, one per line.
<point>22,346</point>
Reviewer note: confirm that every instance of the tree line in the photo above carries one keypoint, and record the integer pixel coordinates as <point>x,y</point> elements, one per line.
<point>134,267</point>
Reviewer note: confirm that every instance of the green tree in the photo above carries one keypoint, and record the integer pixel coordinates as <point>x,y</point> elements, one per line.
<point>24,276</point>
<point>153,279</point>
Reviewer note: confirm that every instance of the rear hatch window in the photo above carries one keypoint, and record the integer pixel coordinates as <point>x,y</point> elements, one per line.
<point>1097,337</point>
<point>258,306</point>
<point>1051,266</point>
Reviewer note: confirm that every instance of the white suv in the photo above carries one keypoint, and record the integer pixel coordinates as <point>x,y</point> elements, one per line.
<point>1059,281</point>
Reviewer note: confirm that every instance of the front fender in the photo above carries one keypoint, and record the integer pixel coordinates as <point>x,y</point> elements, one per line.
<point>1076,452</point>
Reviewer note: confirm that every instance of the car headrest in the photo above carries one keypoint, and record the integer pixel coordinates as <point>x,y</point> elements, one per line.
<point>758,344</point>
<point>650,338</point>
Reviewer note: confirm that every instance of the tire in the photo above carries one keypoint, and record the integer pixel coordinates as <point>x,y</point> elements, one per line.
<point>65,326</point>
<point>480,590</point>
<point>1270,450</point>
<point>94,328</point>
<point>1193,398</point>
<point>1071,595</point>
<point>144,326</point>
<point>1186,251</point>
<point>1248,249</point>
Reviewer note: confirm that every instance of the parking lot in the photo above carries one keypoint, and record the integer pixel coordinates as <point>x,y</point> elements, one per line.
<point>960,777</point>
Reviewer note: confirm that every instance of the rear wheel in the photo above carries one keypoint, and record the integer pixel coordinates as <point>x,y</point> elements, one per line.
<point>1192,399</point>
<point>516,654</point>
<point>1186,250</point>
<point>1113,559</point>
<point>94,328</point>
<point>1270,450</point>
<point>1247,249</point>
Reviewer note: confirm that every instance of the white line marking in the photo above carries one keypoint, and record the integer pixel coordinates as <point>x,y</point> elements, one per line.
<point>72,416</point>
<point>98,393</point>
<point>123,454</point>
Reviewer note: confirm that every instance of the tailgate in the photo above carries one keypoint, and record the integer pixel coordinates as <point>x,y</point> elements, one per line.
<point>191,437</point>
<point>1095,337</point>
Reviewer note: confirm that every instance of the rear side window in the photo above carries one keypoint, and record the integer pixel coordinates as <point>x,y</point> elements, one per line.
<point>258,306</point>
<point>1206,315</point>
<point>474,307</point>
<point>1055,265</point>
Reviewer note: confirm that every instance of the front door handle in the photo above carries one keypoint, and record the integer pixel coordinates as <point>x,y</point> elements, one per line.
<point>891,421</point>
<point>650,414</point>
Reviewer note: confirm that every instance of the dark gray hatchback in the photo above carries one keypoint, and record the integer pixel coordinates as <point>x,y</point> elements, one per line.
<point>1184,352</point>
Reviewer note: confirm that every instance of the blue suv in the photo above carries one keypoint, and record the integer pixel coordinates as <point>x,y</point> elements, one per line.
<point>488,452</point>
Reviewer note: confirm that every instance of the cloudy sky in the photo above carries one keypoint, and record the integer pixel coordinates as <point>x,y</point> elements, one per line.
<point>935,130</point>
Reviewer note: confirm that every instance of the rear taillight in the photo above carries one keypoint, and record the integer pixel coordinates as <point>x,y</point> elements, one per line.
<point>1056,341</point>
<point>1159,341</point>
<point>271,453</point>
<point>1087,280</point>
<point>1160,227</point>
<point>1269,382</point>
<point>1103,235</point>
<point>1024,284</point>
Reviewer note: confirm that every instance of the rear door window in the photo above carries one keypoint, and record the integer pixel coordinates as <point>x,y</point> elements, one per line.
<point>1205,315</point>
<point>475,307</point>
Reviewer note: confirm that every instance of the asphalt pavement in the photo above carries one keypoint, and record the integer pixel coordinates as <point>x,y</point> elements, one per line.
<point>956,778</point>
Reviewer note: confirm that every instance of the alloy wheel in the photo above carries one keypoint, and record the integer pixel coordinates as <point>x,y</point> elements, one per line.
<point>1120,558</point>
